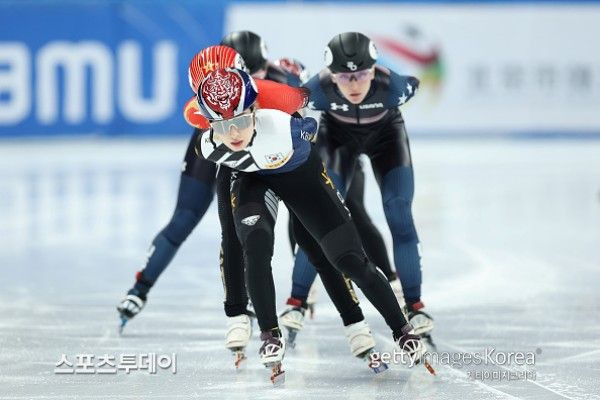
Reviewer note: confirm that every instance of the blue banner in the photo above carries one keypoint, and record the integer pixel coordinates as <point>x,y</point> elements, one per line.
<point>100,67</point>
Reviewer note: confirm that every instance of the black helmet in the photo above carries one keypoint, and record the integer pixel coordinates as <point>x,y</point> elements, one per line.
<point>349,52</point>
<point>250,46</point>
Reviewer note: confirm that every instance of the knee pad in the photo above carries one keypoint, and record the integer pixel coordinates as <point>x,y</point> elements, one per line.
<point>181,225</point>
<point>343,249</point>
<point>342,241</point>
<point>251,218</point>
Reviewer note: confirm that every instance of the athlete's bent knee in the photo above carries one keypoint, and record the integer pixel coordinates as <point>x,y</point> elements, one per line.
<point>249,219</point>
<point>344,250</point>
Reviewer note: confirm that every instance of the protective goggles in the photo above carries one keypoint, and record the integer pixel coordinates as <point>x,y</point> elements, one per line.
<point>358,76</point>
<point>241,122</point>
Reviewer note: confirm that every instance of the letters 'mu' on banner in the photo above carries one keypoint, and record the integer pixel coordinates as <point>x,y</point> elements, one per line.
<point>100,67</point>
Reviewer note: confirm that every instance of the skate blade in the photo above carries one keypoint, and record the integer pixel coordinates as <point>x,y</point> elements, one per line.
<point>382,367</point>
<point>374,362</point>
<point>122,325</point>
<point>277,375</point>
<point>429,368</point>
<point>239,358</point>
<point>291,338</point>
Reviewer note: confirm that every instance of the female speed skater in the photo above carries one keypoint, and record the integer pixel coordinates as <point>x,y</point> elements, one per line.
<point>275,96</point>
<point>254,52</point>
<point>360,103</point>
<point>197,179</point>
<point>196,190</point>
<point>272,156</point>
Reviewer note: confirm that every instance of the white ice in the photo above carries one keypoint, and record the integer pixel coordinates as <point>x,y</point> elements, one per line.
<point>510,233</point>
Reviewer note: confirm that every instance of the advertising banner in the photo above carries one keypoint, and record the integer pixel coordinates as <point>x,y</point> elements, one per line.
<point>100,67</point>
<point>484,68</point>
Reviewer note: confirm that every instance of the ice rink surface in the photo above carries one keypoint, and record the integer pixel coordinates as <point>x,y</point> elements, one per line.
<point>510,231</point>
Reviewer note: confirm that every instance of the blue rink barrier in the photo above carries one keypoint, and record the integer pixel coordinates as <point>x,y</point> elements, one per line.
<point>100,67</point>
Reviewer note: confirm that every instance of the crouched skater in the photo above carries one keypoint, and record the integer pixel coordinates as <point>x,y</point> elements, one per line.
<point>273,158</point>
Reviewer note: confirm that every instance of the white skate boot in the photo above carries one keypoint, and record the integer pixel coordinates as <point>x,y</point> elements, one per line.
<point>239,331</point>
<point>292,319</point>
<point>362,345</point>
<point>360,338</point>
<point>129,307</point>
<point>421,321</point>
<point>271,353</point>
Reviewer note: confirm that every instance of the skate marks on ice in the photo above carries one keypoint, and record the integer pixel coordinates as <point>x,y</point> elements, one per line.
<point>469,378</point>
<point>320,367</point>
<point>524,302</point>
<point>74,234</point>
<point>549,386</point>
